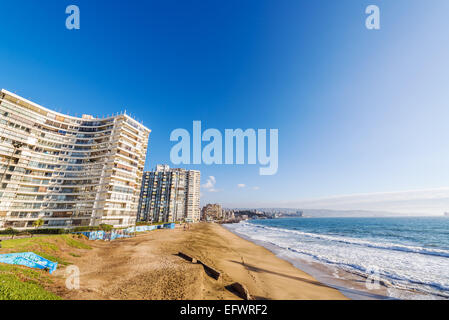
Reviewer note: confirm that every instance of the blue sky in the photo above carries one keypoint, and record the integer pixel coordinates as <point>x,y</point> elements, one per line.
<point>358,111</point>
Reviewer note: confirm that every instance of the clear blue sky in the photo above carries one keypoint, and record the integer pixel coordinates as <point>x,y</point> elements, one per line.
<point>358,111</point>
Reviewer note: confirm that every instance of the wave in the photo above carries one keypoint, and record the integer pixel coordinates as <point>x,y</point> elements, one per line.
<point>364,243</point>
<point>395,273</point>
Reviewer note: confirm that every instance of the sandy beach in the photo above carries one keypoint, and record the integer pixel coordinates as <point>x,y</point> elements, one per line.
<point>148,267</point>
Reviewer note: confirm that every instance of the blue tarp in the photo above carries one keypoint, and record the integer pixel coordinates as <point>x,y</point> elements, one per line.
<point>28,259</point>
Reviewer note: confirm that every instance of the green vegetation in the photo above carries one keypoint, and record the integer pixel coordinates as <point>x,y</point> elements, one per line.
<point>42,246</point>
<point>106,227</point>
<point>21,283</point>
<point>48,231</point>
<point>13,232</point>
<point>23,244</point>
<point>102,227</point>
<point>47,247</point>
<point>10,231</point>
<point>38,223</point>
<point>53,258</point>
<point>154,224</point>
<point>86,229</point>
<point>72,242</point>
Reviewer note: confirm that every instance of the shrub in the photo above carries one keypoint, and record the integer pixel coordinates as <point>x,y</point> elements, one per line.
<point>48,231</point>
<point>151,224</point>
<point>10,231</point>
<point>106,227</point>
<point>85,229</point>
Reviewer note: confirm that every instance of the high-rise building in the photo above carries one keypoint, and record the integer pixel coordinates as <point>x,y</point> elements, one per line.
<point>193,211</point>
<point>65,170</point>
<point>169,195</point>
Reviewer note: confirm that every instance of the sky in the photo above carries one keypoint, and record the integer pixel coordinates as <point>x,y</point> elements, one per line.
<point>360,113</point>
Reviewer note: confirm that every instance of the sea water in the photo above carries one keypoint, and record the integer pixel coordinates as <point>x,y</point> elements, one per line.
<point>409,255</point>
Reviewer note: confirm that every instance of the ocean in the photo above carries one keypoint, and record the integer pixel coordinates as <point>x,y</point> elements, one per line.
<point>410,256</point>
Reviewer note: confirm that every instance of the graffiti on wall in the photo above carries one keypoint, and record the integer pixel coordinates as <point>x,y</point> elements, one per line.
<point>125,233</point>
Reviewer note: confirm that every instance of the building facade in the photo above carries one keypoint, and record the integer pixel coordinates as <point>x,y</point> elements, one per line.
<point>170,195</point>
<point>65,170</point>
<point>215,212</point>
<point>212,212</point>
<point>193,211</point>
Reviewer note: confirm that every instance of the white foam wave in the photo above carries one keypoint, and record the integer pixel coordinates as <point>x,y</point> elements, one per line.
<point>399,267</point>
<point>378,245</point>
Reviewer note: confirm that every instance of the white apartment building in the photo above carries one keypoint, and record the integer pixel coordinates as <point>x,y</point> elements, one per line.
<point>68,171</point>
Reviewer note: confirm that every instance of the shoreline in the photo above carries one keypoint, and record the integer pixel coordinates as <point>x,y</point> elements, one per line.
<point>148,267</point>
<point>350,285</point>
<point>280,278</point>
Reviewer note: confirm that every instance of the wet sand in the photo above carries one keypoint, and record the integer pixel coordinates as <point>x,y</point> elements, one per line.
<point>353,286</point>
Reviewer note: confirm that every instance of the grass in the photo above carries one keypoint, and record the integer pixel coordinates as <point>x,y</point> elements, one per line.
<point>39,245</point>
<point>47,247</point>
<point>19,283</point>
<point>24,243</point>
<point>47,256</point>
<point>71,242</point>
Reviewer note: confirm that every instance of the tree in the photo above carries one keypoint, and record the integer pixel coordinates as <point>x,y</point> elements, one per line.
<point>11,232</point>
<point>37,224</point>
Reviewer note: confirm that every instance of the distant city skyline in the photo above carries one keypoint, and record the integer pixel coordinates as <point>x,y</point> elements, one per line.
<point>362,114</point>
<point>416,202</point>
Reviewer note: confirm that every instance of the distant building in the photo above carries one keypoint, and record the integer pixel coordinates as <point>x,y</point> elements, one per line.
<point>169,195</point>
<point>446,214</point>
<point>228,214</point>
<point>212,212</point>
